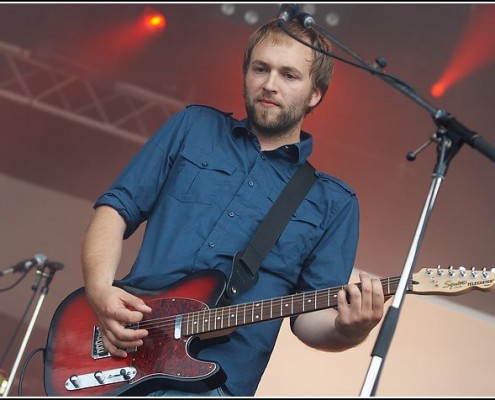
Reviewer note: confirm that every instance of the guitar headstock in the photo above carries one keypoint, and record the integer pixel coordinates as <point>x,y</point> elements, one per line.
<point>452,281</point>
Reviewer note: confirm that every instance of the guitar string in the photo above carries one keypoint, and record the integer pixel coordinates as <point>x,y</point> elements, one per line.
<point>298,300</point>
<point>158,327</point>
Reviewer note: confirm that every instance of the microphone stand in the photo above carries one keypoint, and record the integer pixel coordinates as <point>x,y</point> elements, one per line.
<point>450,136</point>
<point>52,268</point>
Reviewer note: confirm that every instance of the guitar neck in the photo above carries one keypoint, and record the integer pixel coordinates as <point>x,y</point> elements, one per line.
<point>215,319</point>
<point>448,282</point>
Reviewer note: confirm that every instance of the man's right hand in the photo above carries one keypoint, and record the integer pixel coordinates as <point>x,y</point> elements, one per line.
<point>114,308</point>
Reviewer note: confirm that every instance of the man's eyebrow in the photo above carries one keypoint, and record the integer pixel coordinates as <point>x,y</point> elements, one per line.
<point>285,68</point>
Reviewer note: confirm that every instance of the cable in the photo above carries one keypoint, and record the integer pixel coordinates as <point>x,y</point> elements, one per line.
<point>24,367</point>
<point>364,67</point>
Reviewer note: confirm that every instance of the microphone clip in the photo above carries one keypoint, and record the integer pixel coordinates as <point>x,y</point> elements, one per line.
<point>437,137</point>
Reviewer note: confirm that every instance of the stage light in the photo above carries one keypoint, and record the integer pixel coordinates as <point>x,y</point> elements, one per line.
<point>437,90</point>
<point>474,51</point>
<point>332,19</point>
<point>252,14</point>
<point>154,21</point>
<point>251,17</point>
<point>228,9</point>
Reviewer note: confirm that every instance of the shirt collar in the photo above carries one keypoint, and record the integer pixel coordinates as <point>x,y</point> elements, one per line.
<point>298,152</point>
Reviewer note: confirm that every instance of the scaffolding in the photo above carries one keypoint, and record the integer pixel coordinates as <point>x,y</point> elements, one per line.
<point>119,108</point>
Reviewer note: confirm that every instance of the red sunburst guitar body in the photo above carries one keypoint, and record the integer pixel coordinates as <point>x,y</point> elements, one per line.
<point>75,357</point>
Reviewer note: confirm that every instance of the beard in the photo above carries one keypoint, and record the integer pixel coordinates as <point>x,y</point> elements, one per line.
<point>268,124</point>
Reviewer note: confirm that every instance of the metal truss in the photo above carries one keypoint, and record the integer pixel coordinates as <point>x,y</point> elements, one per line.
<point>121,109</point>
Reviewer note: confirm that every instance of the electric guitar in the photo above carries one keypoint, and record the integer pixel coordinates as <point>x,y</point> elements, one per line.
<point>76,363</point>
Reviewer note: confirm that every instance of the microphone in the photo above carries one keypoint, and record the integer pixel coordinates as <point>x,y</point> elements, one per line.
<point>54,265</point>
<point>305,20</point>
<point>286,13</point>
<point>26,265</point>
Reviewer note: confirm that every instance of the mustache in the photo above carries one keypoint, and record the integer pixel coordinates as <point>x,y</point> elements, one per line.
<point>269,99</point>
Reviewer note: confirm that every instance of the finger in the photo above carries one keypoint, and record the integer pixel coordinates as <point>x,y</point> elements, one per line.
<point>342,302</point>
<point>113,349</point>
<point>378,296</point>
<point>122,337</point>
<point>126,316</point>
<point>110,342</point>
<point>354,297</point>
<point>135,303</point>
<point>124,333</point>
<point>366,292</point>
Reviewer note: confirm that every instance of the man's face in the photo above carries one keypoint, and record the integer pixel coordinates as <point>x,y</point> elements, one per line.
<point>277,86</point>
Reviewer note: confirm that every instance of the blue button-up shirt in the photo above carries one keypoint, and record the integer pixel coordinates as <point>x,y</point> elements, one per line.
<point>203,185</point>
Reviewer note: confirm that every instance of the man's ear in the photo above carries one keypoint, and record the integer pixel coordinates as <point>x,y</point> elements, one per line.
<point>315,98</point>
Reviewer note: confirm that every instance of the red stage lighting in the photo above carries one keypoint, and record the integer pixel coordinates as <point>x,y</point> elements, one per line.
<point>154,21</point>
<point>475,50</point>
<point>437,90</point>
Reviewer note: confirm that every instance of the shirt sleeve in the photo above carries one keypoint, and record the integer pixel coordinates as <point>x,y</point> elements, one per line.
<point>134,192</point>
<point>331,261</point>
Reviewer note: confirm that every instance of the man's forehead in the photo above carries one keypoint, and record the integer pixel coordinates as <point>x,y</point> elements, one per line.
<point>282,40</point>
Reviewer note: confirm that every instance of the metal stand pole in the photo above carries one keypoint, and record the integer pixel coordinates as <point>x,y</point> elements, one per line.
<point>52,267</point>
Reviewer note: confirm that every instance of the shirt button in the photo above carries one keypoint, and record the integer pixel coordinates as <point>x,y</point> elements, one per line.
<point>211,244</point>
<point>263,157</point>
<point>204,164</point>
<point>231,213</point>
<point>251,183</point>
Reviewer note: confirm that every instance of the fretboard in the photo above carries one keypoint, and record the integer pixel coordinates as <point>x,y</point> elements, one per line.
<point>215,319</point>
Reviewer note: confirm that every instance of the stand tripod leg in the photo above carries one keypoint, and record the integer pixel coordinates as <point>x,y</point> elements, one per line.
<point>23,345</point>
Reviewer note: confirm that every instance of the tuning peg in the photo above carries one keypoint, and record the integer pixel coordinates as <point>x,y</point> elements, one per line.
<point>462,271</point>
<point>451,270</point>
<point>474,274</point>
<point>439,270</point>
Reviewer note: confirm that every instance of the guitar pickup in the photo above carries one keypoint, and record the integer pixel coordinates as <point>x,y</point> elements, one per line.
<point>100,378</point>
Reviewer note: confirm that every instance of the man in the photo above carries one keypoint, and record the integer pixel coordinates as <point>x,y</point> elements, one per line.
<point>203,184</point>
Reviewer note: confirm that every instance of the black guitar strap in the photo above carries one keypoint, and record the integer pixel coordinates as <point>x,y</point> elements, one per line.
<point>246,263</point>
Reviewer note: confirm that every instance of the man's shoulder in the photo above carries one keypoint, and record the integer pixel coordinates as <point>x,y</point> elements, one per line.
<point>335,183</point>
<point>203,108</point>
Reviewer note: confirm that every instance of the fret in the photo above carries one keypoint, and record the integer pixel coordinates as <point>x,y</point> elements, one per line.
<point>208,319</point>
<point>307,301</point>
<point>186,322</point>
<point>235,315</point>
<point>226,316</point>
<point>203,321</point>
<point>243,314</point>
<point>258,316</point>
<point>195,323</point>
<point>190,323</point>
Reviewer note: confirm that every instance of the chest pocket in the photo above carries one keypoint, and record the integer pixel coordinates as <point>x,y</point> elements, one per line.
<point>301,233</point>
<point>200,177</point>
